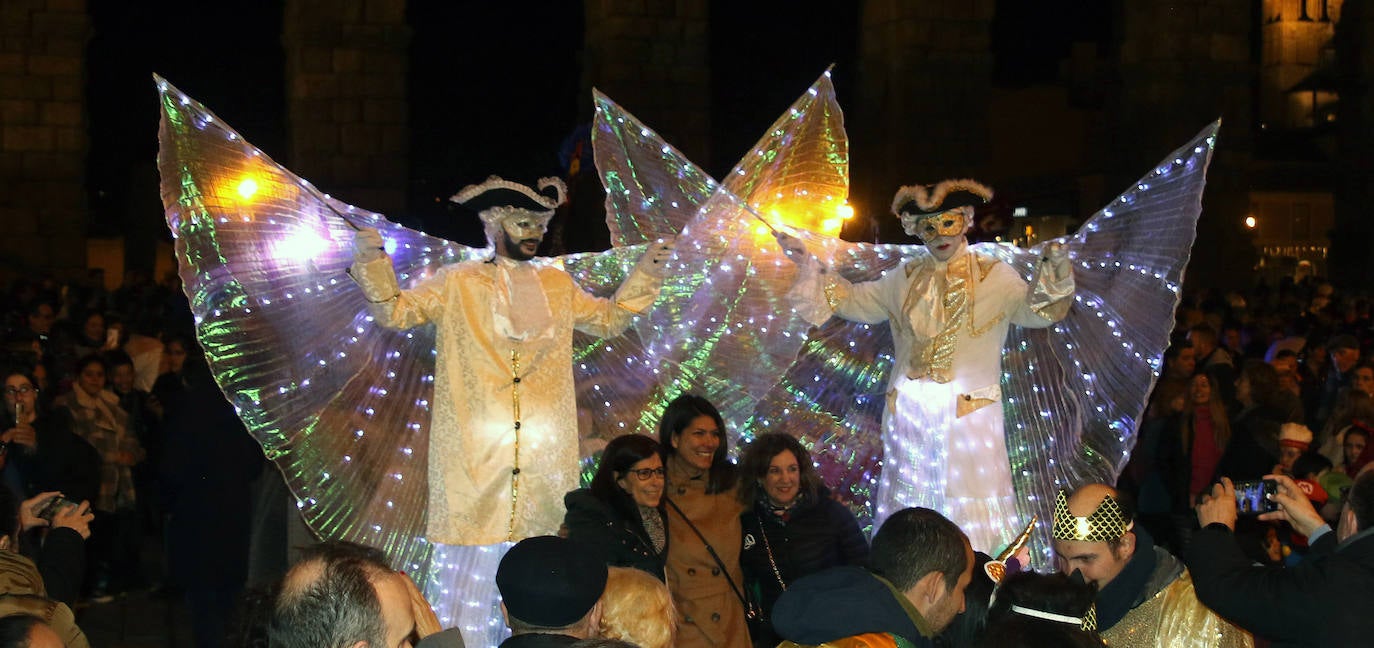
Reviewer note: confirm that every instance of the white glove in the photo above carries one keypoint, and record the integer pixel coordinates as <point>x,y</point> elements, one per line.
<point>367,245</point>
<point>793,247</point>
<point>655,259</point>
<point>1057,263</point>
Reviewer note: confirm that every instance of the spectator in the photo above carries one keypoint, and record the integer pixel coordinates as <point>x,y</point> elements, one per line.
<point>550,592</point>
<point>1294,439</point>
<point>919,566</point>
<point>1363,379</point>
<point>208,467</point>
<point>1253,448</point>
<point>1190,455</point>
<point>621,515</point>
<point>342,594</point>
<point>1345,354</point>
<point>791,525</point>
<point>1322,601</point>
<point>44,452</point>
<point>1352,408</point>
<point>967,628</point>
<point>1095,536</point>
<point>1285,362</point>
<point>97,418</point>
<point>22,590</point>
<point>27,631</point>
<point>1042,611</point>
<point>637,608</point>
<point>703,521</point>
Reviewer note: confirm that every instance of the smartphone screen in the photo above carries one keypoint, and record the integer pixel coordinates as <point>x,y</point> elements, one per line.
<point>1252,497</point>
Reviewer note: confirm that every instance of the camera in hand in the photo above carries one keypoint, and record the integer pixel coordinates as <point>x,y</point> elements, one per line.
<point>50,507</point>
<point>1254,497</point>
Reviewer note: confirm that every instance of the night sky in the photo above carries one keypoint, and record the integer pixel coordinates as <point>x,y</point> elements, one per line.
<point>494,87</point>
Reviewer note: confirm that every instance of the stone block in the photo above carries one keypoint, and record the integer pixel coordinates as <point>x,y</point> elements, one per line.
<point>381,61</point>
<point>385,111</point>
<point>49,65</point>
<point>70,139</point>
<point>388,171</point>
<point>60,113</point>
<point>315,59</point>
<point>70,6</point>
<point>1228,48</point>
<point>18,112</point>
<point>309,135</point>
<point>68,87</point>
<point>347,60</point>
<point>380,85</point>
<point>52,166</point>
<point>385,11</point>
<point>624,7</point>
<point>394,139</point>
<point>23,86</point>
<point>350,170</point>
<point>48,24</point>
<point>61,47</point>
<point>27,138</point>
<point>315,86</point>
<point>18,221</point>
<point>344,111</point>
<point>12,63</point>
<point>359,139</point>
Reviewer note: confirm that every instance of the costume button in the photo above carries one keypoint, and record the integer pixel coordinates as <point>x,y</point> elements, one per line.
<point>715,571</point>
<point>691,571</point>
<point>715,616</point>
<point>515,471</point>
<point>517,379</point>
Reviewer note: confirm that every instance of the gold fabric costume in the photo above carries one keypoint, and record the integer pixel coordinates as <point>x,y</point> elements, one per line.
<point>1174,618</point>
<point>503,442</point>
<point>943,441</point>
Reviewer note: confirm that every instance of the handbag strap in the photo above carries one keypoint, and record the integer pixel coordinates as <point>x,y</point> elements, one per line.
<point>769,551</point>
<point>714,556</point>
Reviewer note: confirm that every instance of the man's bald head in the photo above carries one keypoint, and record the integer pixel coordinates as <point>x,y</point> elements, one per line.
<point>340,594</point>
<point>1099,561</point>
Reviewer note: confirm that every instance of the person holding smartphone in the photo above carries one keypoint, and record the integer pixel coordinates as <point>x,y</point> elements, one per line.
<point>1322,601</point>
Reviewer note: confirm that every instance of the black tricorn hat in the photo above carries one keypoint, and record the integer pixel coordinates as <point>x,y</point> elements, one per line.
<point>497,192</point>
<point>920,200</point>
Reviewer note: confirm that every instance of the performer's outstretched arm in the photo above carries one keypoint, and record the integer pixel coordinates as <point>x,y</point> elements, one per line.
<point>1050,292</point>
<point>818,293</point>
<point>391,306</point>
<point>639,291</point>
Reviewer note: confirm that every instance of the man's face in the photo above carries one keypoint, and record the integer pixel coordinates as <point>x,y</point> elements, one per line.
<point>1364,380</point>
<point>943,234</point>
<point>41,319</point>
<point>1285,365</point>
<point>396,610</point>
<point>1097,561</point>
<point>1344,358</point>
<point>951,604</point>
<point>122,378</point>
<point>1186,361</point>
<point>521,234</point>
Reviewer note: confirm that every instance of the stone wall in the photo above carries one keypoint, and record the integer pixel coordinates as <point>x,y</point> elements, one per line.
<point>346,97</point>
<point>43,139</point>
<point>925,80</point>
<point>651,56</point>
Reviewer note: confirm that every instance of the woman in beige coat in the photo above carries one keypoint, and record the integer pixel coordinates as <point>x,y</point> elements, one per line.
<point>703,518</point>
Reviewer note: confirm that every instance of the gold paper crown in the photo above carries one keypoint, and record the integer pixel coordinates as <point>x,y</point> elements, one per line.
<point>1105,524</point>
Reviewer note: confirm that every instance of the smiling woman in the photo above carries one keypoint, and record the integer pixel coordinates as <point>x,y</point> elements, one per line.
<point>791,525</point>
<point>703,521</point>
<point>621,514</point>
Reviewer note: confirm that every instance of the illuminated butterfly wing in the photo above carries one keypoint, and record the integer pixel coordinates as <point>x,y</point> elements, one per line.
<point>721,328</point>
<point>341,405</point>
<point>1075,392</point>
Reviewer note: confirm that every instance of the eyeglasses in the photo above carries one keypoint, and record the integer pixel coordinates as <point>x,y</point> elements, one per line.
<point>645,473</point>
<point>21,391</point>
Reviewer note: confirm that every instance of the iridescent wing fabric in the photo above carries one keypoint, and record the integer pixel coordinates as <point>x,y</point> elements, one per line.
<point>1075,392</point>
<point>340,405</point>
<point>722,328</point>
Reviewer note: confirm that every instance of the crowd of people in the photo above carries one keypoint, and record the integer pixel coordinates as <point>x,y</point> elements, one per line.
<point>1243,516</point>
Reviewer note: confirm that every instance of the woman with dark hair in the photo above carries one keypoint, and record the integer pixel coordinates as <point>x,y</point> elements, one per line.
<point>40,447</point>
<point>1254,446</point>
<point>791,525</point>
<point>1041,610</point>
<point>97,417</point>
<point>703,521</point>
<point>621,515</point>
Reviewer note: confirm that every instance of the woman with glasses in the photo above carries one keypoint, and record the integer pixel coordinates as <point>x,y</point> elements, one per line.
<point>41,452</point>
<point>621,515</point>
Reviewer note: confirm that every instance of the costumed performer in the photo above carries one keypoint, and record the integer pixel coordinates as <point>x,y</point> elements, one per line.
<point>950,310</point>
<point>503,434</point>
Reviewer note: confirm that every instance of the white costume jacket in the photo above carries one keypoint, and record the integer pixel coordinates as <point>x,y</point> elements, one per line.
<point>943,443</point>
<point>503,438</point>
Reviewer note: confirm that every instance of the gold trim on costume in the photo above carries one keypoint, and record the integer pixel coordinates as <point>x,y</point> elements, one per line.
<point>1105,524</point>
